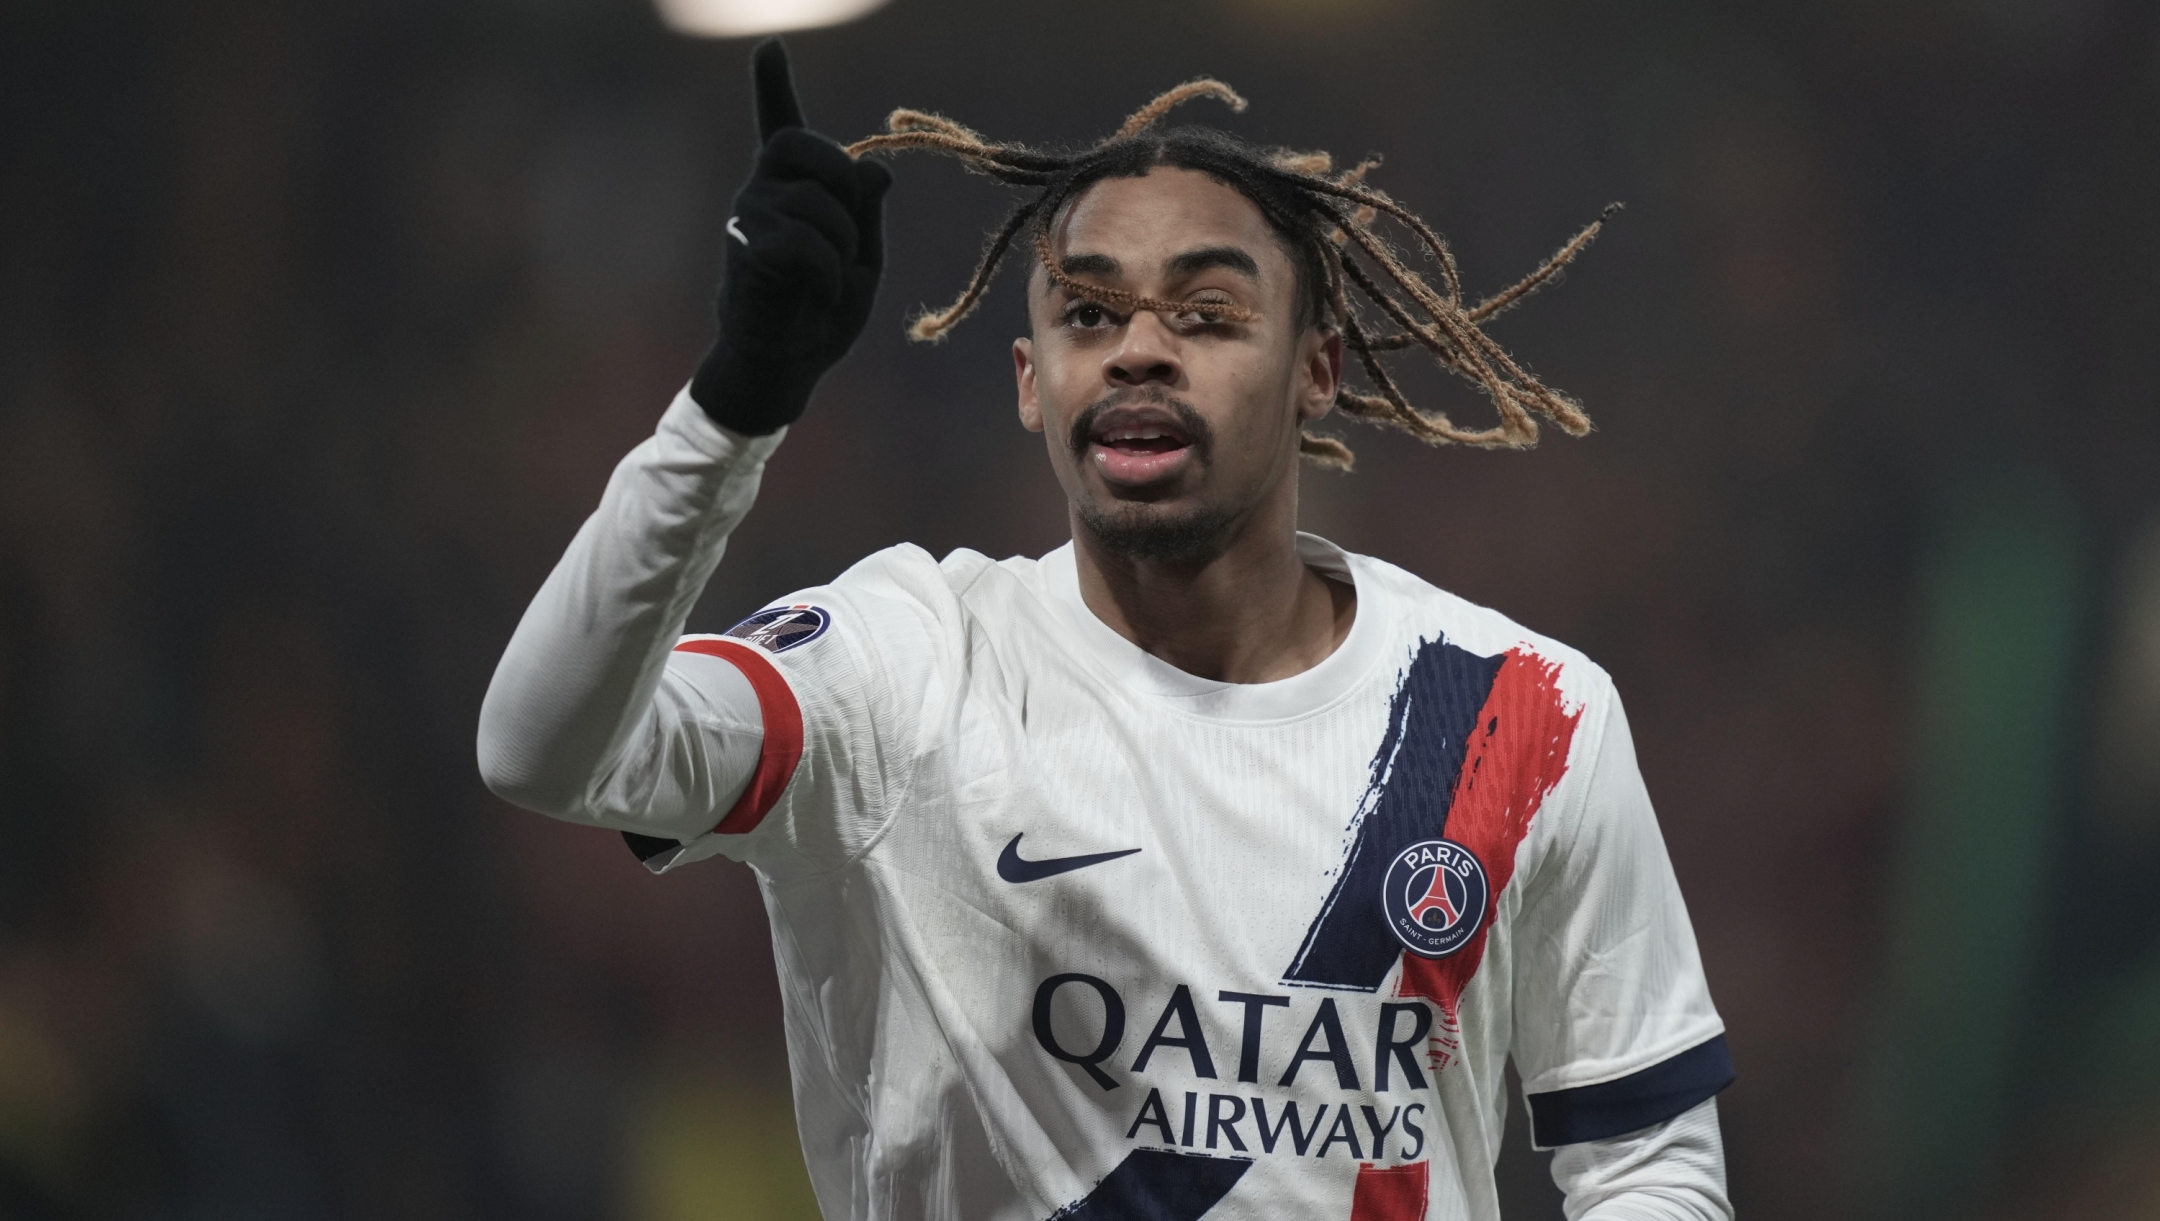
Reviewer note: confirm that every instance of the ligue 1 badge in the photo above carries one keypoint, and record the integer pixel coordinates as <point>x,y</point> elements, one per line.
<point>783,627</point>
<point>1434,895</point>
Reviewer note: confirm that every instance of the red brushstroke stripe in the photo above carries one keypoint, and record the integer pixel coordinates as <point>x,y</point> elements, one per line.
<point>1389,1193</point>
<point>783,732</point>
<point>1518,752</point>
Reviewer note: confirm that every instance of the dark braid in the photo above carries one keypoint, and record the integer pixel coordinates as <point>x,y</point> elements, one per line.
<point>1326,221</point>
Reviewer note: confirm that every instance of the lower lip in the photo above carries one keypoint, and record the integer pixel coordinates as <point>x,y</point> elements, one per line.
<point>1135,466</point>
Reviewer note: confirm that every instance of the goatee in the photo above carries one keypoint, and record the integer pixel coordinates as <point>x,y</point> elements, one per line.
<point>1147,532</point>
<point>1142,531</point>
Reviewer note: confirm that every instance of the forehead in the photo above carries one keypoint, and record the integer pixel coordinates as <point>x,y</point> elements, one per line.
<point>1141,222</point>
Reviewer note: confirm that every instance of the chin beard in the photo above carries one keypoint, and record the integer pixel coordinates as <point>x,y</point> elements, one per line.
<point>1141,532</point>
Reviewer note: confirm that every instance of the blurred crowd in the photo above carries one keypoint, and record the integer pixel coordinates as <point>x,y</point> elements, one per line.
<point>322,325</point>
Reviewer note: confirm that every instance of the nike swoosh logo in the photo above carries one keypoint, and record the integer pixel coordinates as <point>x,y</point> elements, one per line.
<point>1013,869</point>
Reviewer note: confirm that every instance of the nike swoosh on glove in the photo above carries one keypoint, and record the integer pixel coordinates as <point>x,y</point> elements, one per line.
<point>805,248</point>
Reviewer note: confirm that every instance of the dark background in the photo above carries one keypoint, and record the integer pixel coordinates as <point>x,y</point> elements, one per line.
<point>321,326</point>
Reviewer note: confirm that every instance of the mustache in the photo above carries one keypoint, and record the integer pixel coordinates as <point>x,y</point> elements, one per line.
<point>1197,430</point>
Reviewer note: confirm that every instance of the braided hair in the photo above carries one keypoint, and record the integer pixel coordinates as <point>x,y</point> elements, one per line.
<point>1326,219</point>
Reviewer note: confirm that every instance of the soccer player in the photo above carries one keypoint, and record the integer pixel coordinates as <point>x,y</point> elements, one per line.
<point>1198,867</point>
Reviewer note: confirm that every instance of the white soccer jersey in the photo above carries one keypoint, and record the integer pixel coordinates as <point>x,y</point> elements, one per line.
<point>1065,932</point>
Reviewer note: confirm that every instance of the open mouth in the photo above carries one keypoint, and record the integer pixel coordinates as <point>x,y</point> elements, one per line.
<point>1141,443</point>
<point>1141,439</point>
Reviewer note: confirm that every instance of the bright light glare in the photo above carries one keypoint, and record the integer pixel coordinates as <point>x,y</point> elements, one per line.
<point>735,18</point>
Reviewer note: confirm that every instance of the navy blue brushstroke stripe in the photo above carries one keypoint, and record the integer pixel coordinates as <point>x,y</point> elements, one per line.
<point>1430,721</point>
<point>1158,1185</point>
<point>1634,1102</point>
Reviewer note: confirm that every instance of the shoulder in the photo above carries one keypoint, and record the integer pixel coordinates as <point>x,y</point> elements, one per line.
<point>904,571</point>
<point>964,586</point>
<point>1426,612</point>
<point>903,583</point>
<point>907,571</point>
<point>903,589</point>
<point>1546,710</point>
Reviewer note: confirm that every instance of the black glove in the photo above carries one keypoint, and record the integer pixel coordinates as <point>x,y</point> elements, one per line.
<point>805,246</point>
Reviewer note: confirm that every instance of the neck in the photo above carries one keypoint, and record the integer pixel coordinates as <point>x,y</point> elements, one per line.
<point>1251,612</point>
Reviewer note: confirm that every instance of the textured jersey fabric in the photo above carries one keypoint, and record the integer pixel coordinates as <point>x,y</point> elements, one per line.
<point>1064,931</point>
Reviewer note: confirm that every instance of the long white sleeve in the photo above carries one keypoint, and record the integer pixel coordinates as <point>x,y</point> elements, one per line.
<point>590,718</point>
<point>1673,1171</point>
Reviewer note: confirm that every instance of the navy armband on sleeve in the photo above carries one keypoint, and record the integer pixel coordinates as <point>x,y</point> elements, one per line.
<point>1615,1108</point>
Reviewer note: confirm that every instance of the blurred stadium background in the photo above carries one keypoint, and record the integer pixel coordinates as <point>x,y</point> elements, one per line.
<point>321,326</point>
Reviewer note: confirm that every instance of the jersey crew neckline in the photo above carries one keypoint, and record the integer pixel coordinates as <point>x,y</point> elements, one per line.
<point>1335,677</point>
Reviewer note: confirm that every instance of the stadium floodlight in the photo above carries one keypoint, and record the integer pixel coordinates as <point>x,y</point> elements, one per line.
<point>737,18</point>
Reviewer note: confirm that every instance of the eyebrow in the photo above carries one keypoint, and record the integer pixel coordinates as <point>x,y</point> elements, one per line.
<point>1191,262</point>
<point>1088,265</point>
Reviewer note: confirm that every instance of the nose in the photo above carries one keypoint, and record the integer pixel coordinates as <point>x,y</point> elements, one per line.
<point>1147,352</point>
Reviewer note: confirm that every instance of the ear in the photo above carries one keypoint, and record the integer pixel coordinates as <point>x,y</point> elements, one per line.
<point>1024,375</point>
<point>1319,372</point>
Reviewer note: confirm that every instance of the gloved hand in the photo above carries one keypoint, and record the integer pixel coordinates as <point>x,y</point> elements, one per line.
<point>805,247</point>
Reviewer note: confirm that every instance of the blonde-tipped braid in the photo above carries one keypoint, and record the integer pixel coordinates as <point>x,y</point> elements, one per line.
<point>1330,219</point>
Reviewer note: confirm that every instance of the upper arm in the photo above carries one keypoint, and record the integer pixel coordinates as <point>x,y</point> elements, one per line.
<point>699,747</point>
<point>1614,1028</point>
<point>848,690</point>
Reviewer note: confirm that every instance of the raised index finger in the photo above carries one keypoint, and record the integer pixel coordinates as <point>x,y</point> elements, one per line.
<point>774,85</point>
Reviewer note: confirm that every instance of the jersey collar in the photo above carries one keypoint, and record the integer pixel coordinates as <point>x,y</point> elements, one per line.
<point>1284,699</point>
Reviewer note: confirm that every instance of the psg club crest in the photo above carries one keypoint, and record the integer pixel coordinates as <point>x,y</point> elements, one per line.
<point>783,627</point>
<point>1434,895</point>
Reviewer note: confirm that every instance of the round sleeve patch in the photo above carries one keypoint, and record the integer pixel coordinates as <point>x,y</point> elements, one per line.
<point>783,627</point>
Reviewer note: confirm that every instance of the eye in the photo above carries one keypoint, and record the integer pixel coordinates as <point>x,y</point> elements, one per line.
<point>1204,310</point>
<point>1087,315</point>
